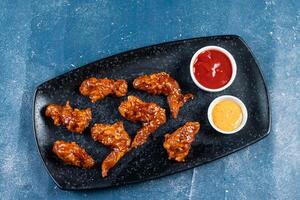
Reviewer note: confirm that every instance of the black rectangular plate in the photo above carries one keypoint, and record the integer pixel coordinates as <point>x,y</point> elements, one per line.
<point>150,160</point>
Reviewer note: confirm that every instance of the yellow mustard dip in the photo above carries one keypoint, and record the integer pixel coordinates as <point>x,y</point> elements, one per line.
<point>227,115</point>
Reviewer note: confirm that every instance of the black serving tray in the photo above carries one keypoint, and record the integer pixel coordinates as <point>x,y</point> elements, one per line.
<point>150,160</point>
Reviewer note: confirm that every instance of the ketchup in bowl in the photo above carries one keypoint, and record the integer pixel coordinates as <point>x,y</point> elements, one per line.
<point>212,68</point>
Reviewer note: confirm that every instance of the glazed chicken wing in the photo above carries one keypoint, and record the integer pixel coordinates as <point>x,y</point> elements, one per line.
<point>72,154</point>
<point>151,115</point>
<point>115,137</point>
<point>97,89</point>
<point>163,83</point>
<point>178,143</point>
<point>76,120</point>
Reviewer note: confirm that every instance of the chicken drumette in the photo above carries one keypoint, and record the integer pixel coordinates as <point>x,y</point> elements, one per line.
<point>71,153</point>
<point>115,137</point>
<point>76,120</point>
<point>163,83</point>
<point>151,115</point>
<point>97,89</point>
<point>178,143</point>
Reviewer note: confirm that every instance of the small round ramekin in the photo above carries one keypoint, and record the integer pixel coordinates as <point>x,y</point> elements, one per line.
<point>232,98</point>
<point>222,50</point>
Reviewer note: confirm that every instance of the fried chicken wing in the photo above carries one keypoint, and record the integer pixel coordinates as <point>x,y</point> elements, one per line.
<point>115,137</point>
<point>71,153</point>
<point>97,89</point>
<point>178,143</point>
<point>163,83</point>
<point>75,120</point>
<point>151,115</point>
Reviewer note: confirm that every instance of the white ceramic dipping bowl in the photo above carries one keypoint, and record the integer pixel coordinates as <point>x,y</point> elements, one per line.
<point>220,99</point>
<point>224,51</point>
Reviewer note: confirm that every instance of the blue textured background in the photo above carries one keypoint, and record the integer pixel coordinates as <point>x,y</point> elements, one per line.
<point>42,39</point>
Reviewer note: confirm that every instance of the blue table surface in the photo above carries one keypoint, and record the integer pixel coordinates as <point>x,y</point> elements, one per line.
<point>42,39</point>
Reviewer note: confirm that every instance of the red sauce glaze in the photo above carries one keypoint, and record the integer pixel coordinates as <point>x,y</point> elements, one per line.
<point>212,69</point>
